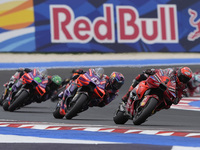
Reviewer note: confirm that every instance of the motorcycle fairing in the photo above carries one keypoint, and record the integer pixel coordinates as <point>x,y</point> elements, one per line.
<point>155,81</point>
<point>89,77</point>
<point>35,77</point>
<point>141,89</point>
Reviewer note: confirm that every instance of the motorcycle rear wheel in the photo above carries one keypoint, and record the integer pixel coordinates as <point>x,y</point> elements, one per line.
<point>120,117</point>
<point>18,101</point>
<point>73,111</point>
<point>142,115</point>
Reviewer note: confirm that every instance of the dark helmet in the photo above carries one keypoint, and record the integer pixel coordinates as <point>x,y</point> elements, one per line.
<point>116,80</point>
<point>56,79</point>
<point>184,74</point>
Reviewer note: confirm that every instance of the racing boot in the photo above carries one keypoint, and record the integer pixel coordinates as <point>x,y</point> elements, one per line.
<point>129,103</point>
<point>126,96</point>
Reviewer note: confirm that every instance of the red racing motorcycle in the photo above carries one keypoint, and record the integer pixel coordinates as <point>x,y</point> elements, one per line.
<point>154,94</point>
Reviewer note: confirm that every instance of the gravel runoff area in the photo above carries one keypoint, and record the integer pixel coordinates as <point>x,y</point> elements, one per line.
<point>38,57</point>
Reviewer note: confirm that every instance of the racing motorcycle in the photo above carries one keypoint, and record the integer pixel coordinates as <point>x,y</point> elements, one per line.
<point>149,96</point>
<point>32,89</point>
<point>88,89</point>
<point>8,86</point>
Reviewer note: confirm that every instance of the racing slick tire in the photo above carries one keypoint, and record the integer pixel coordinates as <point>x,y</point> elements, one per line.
<point>5,105</point>
<point>120,117</point>
<point>77,106</point>
<point>18,101</point>
<point>144,113</point>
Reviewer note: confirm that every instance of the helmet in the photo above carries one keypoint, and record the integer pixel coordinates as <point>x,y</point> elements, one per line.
<point>43,72</point>
<point>184,74</point>
<point>197,79</point>
<point>56,79</point>
<point>99,72</point>
<point>116,80</point>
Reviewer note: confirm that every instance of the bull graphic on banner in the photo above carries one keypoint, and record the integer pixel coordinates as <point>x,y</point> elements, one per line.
<point>196,33</point>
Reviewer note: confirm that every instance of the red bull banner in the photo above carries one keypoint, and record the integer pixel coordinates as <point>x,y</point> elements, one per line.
<point>99,26</point>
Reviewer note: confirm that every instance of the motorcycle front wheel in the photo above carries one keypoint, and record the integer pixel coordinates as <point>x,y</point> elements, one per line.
<point>77,106</point>
<point>18,101</point>
<point>56,113</point>
<point>5,105</point>
<point>141,115</point>
<point>120,117</point>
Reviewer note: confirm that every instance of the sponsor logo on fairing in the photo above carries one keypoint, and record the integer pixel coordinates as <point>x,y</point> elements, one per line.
<point>65,28</point>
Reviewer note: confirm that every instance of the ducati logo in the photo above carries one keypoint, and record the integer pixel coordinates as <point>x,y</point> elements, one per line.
<point>195,23</point>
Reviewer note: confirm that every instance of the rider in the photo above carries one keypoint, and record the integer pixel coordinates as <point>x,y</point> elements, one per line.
<point>17,76</point>
<point>14,78</point>
<point>74,76</point>
<point>66,82</point>
<point>193,84</point>
<point>113,84</point>
<point>54,82</point>
<point>180,76</point>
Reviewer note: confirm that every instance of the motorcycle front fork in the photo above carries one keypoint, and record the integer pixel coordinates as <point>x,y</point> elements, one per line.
<point>62,106</point>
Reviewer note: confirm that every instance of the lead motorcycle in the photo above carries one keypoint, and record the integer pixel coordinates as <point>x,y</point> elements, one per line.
<point>32,89</point>
<point>90,89</point>
<point>155,93</point>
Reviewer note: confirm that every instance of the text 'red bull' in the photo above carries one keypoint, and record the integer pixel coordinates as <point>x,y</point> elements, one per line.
<point>65,28</point>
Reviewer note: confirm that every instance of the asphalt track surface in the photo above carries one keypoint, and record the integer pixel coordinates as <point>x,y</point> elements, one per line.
<point>169,120</point>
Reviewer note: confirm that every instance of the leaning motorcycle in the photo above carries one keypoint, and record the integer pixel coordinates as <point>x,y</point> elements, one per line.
<point>5,93</point>
<point>89,90</point>
<point>154,94</point>
<point>8,86</point>
<point>32,89</point>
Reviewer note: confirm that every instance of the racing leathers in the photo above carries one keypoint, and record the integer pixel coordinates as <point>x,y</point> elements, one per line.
<point>170,72</point>
<point>72,87</point>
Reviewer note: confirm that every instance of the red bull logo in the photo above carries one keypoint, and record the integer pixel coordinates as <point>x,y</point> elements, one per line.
<point>196,24</point>
<point>130,28</point>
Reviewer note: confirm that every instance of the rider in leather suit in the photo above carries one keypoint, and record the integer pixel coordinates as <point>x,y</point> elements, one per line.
<point>113,84</point>
<point>180,76</point>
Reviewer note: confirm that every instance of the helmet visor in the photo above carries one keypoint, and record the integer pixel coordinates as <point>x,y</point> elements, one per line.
<point>183,78</point>
<point>117,84</point>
